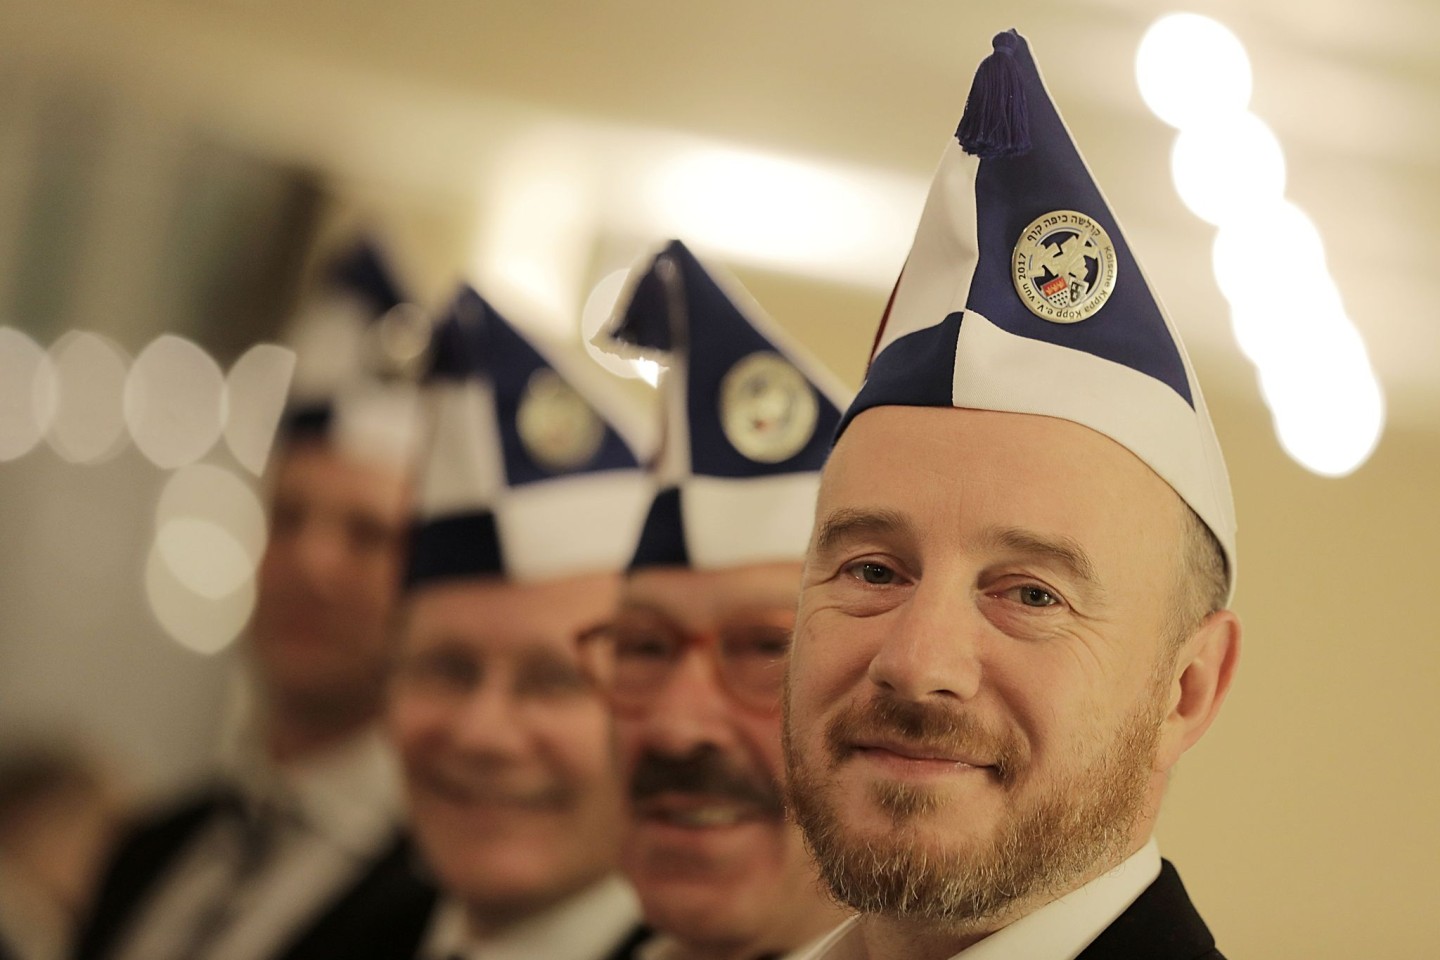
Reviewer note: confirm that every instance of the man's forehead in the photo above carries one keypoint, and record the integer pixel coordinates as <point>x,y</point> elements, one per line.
<point>906,467</point>
<point>698,597</point>
<point>492,611</point>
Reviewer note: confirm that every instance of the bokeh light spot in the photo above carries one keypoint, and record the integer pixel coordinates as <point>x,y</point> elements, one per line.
<point>88,425</point>
<point>174,401</point>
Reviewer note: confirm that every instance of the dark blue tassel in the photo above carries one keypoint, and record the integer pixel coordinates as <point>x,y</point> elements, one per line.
<point>996,121</point>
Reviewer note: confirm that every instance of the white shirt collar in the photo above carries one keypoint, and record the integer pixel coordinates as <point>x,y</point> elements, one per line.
<point>585,927</point>
<point>1060,930</point>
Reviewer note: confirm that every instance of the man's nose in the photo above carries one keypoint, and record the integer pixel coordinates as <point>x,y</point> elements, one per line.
<point>319,549</point>
<point>934,646</point>
<point>488,721</point>
<point>691,708</point>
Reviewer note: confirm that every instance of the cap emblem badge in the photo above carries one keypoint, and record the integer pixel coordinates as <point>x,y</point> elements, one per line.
<point>557,426</point>
<point>1064,267</point>
<point>767,408</point>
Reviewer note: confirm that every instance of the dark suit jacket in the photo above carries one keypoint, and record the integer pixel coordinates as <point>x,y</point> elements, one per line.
<point>626,949</point>
<point>381,916</point>
<point>1162,924</point>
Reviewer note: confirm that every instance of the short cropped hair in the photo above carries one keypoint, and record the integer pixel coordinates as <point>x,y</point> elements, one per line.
<point>1204,584</point>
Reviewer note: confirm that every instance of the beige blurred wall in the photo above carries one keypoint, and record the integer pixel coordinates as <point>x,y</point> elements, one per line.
<point>1305,823</point>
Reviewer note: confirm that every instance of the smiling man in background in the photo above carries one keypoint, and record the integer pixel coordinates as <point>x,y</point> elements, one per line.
<point>529,502</point>
<point>694,661</point>
<point>1013,618</point>
<point>301,837</point>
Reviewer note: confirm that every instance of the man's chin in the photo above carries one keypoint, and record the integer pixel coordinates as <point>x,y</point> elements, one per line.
<point>700,911</point>
<point>702,853</point>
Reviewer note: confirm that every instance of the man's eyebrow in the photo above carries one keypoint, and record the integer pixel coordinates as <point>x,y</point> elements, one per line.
<point>848,524</point>
<point>1064,552</point>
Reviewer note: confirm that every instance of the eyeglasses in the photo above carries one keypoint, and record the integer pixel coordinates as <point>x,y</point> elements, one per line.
<point>635,656</point>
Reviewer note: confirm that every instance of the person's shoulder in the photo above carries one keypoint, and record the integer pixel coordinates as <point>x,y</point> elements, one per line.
<point>1162,924</point>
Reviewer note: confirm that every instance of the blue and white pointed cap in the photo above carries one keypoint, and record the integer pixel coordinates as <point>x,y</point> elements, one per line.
<point>533,467</point>
<point>1021,294</point>
<point>359,347</point>
<point>747,419</point>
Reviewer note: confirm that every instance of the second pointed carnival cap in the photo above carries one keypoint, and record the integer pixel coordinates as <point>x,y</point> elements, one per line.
<point>1021,294</point>
<point>533,466</point>
<point>747,419</point>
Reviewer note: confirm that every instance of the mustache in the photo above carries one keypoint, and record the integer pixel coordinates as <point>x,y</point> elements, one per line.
<point>943,729</point>
<point>706,771</point>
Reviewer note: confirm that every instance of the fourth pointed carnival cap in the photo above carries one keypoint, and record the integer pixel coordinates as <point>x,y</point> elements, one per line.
<point>359,346</point>
<point>533,467</point>
<point>747,419</point>
<point>1021,294</point>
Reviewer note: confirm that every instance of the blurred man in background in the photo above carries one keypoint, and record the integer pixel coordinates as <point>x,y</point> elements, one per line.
<point>1013,620</point>
<point>530,503</point>
<point>302,835</point>
<point>694,661</point>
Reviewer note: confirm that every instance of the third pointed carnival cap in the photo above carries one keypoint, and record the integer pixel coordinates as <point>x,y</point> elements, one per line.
<point>748,418</point>
<point>1021,295</point>
<point>533,469</point>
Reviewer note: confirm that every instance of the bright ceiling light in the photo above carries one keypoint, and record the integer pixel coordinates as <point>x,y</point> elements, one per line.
<point>256,387</point>
<point>196,622</point>
<point>200,574</point>
<point>27,393</point>
<point>204,556</point>
<point>537,230</point>
<point>1271,248</point>
<point>88,426</point>
<point>1228,166</point>
<point>1192,69</point>
<point>207,492</point>
<point>1328,417</point>
<point>849,225</point>
<point>174,401</point>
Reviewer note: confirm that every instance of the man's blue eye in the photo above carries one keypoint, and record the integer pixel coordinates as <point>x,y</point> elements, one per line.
<point>1037,597</point>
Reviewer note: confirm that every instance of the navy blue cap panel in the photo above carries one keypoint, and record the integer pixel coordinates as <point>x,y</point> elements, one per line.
<point>458,348</point>
<point>1010,193</point>
<point>916,370</point>
<point>458,546</point>
<point>662,539</point>
<point>647,322</point>
<point>362,271</point>
<point>717,343</point>
<point>513,361</point>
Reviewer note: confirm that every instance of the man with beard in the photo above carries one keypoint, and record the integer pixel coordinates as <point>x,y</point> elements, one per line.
<point>1012,623</point>
<point>301,834</point>
<point>529,503</point>
<point>694,661</point>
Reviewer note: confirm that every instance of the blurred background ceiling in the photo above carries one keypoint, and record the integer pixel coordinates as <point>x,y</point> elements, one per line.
<point>440,102</point>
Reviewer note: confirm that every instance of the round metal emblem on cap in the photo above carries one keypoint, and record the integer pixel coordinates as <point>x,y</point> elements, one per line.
<point>767,408</point>
<point>560,431</point>
<point>1064,267</point>
<point>397,343</point>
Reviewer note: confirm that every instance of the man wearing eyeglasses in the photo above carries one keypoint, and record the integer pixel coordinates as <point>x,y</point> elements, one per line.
<point>528,502</point>
<point>694,660</point>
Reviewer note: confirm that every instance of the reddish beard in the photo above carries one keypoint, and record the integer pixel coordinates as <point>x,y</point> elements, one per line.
<point>1043,846</point>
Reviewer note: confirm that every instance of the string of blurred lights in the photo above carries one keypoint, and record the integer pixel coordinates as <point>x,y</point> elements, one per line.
<point>1287,313</point>
<point>87,399</point>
